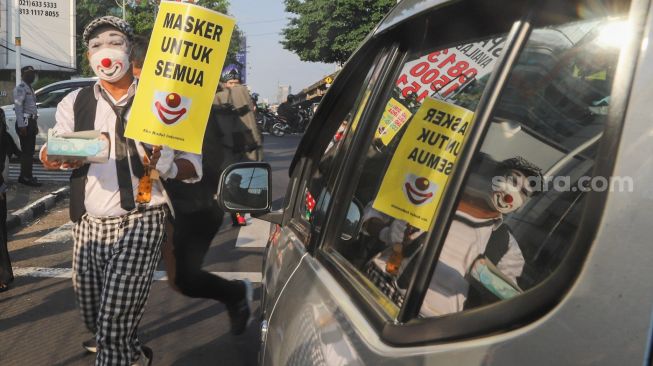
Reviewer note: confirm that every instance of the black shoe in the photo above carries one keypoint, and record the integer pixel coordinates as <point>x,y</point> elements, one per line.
<point>240,315</point>
<point>146,357</point>
<point>90,345</point>
<point>32,182</point>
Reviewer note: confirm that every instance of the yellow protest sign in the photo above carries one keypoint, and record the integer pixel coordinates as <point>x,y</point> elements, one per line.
<point>394,117</point>
<point>422,164</point>
<point>180,75</point>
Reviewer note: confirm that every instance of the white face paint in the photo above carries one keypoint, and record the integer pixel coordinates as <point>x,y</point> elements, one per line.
<point>510,193</point>
<point>108,55</point>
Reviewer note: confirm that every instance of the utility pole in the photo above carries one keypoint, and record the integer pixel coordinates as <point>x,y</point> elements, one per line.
<point>124,14</point>
<point>17,42</point>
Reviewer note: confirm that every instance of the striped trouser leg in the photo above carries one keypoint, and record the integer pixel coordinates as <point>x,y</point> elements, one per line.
<point>87,269</point>
<point>129,255</point>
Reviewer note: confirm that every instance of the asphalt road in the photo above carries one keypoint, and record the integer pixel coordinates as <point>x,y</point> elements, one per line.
<point>40,324</point>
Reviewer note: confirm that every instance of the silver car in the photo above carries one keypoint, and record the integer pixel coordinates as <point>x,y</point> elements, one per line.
<point>473,189</point>
<point>47,99</point>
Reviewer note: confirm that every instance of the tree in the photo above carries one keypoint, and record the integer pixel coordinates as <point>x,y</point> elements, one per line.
<point>141,15</point>
<point>330,30</point>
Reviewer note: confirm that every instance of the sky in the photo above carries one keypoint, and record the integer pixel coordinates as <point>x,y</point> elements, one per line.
<point>268,63</point>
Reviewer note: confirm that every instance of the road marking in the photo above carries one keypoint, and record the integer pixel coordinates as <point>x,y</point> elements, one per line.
<point>158,275</point>
<point>62,234</point>
<point>254,235</point>
<point>40,173</point>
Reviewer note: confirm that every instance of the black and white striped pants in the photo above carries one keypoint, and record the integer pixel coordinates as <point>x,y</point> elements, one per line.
<point>113,263</point>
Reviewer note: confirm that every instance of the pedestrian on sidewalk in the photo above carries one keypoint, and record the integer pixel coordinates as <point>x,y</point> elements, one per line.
<point>26,125</point>
<point>117,238</point>
<point>6,273</point>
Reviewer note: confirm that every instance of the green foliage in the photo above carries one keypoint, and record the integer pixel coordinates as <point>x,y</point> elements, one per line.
<point>330,30</point>
<point>141,16</point>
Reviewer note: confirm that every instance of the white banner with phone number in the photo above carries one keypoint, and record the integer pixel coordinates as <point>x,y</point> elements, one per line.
<point>442,73</point>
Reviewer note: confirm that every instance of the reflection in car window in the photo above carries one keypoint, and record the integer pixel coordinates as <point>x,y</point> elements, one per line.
<point>435,86</point>
<point>317,195</point>
<point>511,228</point>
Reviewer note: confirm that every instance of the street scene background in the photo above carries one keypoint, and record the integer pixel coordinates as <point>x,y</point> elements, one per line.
<point>40,323</point>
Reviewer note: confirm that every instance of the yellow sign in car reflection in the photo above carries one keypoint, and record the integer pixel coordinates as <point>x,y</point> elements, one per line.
<point>413,184</point>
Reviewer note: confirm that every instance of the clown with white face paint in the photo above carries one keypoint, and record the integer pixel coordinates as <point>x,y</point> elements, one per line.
<point>493,190</point>
<point>111,290</point>
<point>510,192</point>
<point>108,54</point>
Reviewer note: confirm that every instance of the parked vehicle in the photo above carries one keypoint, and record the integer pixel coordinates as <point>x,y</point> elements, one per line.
<point>265,119</point>
<point>441,97</point>
<point>297,125</point>
<point>47,99</point>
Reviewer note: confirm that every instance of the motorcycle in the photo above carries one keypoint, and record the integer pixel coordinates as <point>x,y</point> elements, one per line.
<point>298,125</point>
<point>265,119</point>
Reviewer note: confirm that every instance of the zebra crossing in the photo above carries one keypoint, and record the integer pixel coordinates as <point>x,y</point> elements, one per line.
<point>254,235</point>
<point>40,173</point>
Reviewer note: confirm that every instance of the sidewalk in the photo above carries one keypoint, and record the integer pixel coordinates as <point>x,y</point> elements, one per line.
<point>25,203</point>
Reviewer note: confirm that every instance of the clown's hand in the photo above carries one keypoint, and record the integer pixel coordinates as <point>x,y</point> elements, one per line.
<point>166,164</point>
<point>394,233</point>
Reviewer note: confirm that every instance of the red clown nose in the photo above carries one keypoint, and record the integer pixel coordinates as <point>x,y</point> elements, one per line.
<point>106,62</point>
<point>173,100</point>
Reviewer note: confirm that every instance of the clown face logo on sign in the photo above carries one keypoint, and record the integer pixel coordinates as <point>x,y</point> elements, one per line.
<point>419,190</point>
<point>170,108</point>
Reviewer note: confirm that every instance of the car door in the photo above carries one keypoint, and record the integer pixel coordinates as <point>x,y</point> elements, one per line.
<point>290,241</point>
<point>321,160</point>
<point>517,87</point>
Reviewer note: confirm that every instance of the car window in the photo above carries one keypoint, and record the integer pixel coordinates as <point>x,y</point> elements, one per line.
<point>521,206</point>
<point>444,86</point>
<point>51,98</point>
<point>317,194</point>
<point>514,223</point>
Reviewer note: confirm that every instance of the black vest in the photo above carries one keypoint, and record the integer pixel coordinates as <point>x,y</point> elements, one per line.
<point>84,111</point>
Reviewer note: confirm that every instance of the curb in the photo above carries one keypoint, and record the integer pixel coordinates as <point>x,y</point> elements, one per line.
<point>35,209</point>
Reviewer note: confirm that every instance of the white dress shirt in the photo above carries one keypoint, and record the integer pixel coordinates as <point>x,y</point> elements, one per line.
<point>102,194</point>
<point>448,289</point>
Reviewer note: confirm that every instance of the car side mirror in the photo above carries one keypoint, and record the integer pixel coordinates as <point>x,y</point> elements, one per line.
<point>246,188</point>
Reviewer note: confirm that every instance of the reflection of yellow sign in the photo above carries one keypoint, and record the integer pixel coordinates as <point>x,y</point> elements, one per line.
<point>180,75</point>
<point>420,168</point>
<point>393,119</point>
<point>328,80</point>
<point>361,108</point>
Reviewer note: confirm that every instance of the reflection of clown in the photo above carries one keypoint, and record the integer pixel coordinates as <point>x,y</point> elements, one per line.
<point>170,108</point>
<point>494,189</point>
<point>510,191</point>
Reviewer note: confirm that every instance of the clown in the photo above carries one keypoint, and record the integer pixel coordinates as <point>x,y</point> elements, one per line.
<point>119,228</point>
<point>493,190</point>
